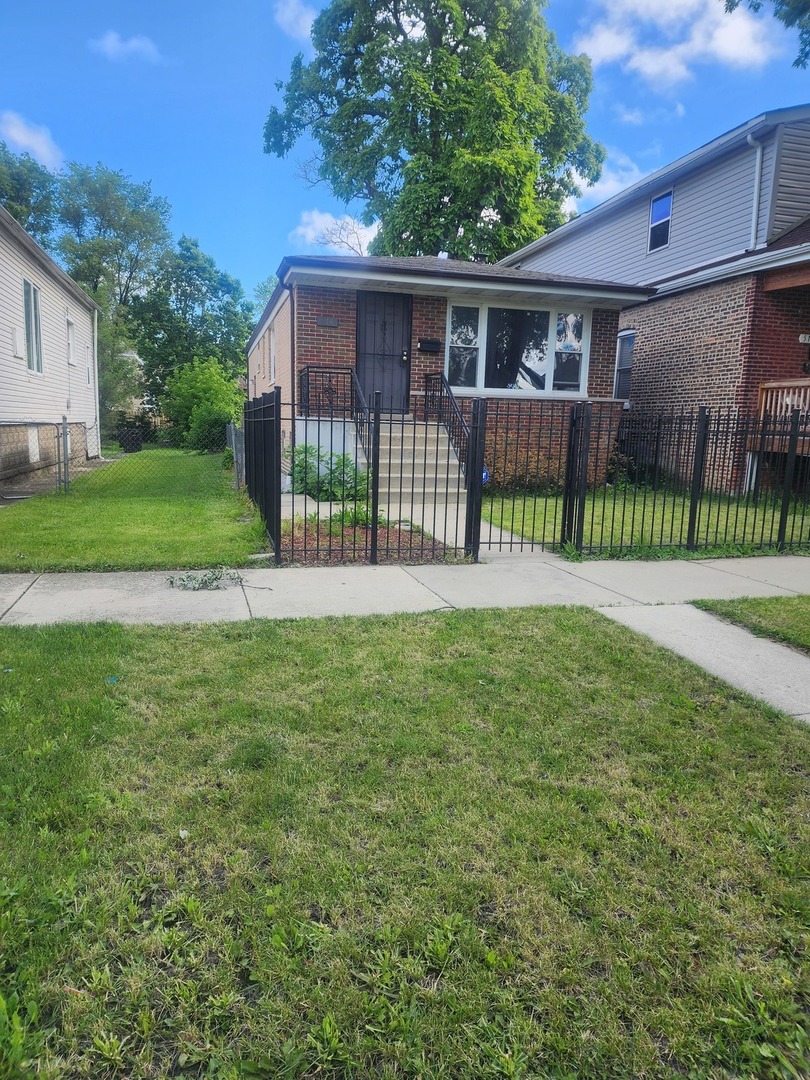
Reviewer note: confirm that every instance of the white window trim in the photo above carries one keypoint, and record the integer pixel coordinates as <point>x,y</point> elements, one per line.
<point>630,332</point>
<point>660,195</point>
<point>479,390</point>
<point>70,333</point>
<point>36,315</point>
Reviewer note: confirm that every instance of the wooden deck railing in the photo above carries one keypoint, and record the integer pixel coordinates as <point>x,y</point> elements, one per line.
<point>780,398</point>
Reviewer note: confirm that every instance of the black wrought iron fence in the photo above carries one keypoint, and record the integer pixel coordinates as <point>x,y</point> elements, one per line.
<point>348,484</point>
<point>598,479</point>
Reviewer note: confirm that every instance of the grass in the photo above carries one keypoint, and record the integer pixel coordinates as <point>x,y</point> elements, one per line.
<point>158,509</point>
<point>639,522</point>
<point>782,618</point>
<point>479,844</point>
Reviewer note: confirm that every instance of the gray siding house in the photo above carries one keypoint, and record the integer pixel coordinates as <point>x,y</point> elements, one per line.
<point>723,236</point>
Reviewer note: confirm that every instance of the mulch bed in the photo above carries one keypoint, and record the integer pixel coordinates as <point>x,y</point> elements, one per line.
<point>319,545</point>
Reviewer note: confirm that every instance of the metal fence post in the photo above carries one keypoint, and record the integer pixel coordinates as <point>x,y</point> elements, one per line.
<point>787,489</point>
<point>276,491</point>
<point>65,454</point>
<point>375,476</point>
<point>475,478</point>
<point>570,484</point>
<point>582,475</point>
<point>698,466</point>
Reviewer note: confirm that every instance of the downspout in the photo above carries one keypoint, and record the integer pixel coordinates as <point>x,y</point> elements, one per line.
<point>289,289</point>
<point>757,191</point>
<point>95,378</point>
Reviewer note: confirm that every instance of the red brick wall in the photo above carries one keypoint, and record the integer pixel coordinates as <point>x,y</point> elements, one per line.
<point>689,348</point>
<point>773,349</point>
<point>602,367</point>
<point>325,345</point>
<point>715,345</point>
<point>337,345</point>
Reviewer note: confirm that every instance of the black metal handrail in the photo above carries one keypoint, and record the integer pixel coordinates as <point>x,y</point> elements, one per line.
<point>361,414</point>
<point>441,403</point>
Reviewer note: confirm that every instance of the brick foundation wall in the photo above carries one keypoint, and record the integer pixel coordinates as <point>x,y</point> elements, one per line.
<point>527,440</point>
<point>17,441</point>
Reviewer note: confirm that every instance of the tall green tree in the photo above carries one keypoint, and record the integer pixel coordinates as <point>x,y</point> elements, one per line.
<point>192,311</point>
<point>28,191</point>
<point>458,124</point>
<point>113,231</point>
<point>795,14</point>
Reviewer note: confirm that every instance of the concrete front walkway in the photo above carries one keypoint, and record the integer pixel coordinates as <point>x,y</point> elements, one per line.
<point>650,597</point>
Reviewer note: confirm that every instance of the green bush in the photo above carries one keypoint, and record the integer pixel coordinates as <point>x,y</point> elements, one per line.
<point>203,382</point>
<point>327,477</point>
<point>207,429</point>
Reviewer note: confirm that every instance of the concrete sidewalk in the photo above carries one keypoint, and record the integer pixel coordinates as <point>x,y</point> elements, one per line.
<point>647,596</point>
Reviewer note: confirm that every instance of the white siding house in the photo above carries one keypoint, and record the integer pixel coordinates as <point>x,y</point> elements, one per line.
<point>48,361</point>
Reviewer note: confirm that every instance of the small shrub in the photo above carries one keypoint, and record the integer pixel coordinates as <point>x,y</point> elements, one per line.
<point>327,477</point>
<point>227,458</point>
<point>358,515</point>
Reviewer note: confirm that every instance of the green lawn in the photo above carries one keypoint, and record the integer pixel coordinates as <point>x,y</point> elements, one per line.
<point>479,844</point>
<point>156,509</point>
<point>620,522</point>
<point>783,618</point>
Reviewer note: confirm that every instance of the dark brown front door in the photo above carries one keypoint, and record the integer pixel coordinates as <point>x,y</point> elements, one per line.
<point>384,348</point>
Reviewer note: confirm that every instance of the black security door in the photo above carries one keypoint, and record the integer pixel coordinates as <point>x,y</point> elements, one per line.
<point>384,348</point>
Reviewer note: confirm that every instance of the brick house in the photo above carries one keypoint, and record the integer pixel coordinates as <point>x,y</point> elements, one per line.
<point>493,332</point>
<point>723,237</point>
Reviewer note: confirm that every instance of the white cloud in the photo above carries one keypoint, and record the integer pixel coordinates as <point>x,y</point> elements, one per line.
<point>31,139</point>
<point>342,235</point>
<point>629,116</point>
<point>662,42</point>
<point>295,18</point>
<point>117,48</point>
<point>618,173</point>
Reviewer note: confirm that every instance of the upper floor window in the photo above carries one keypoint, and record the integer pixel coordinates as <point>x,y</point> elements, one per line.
<point>33,327</point>
<point>660,217</point>
<point>495,348</point>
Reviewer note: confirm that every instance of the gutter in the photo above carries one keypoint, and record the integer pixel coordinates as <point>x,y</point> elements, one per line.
<point>289,288</point>
<point>757,190</point>
<point>766,260</point>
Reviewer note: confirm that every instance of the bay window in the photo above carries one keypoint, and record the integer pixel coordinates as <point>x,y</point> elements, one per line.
<point>500,348</point>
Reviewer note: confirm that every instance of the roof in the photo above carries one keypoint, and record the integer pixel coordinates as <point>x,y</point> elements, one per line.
<point>666,176</point>
<point>12,228</point>
<point>428,274</point>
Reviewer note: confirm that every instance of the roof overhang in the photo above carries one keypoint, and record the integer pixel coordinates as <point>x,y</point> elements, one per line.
<point>483,288</point>
<point>17,234</point>
<point>787,261</point>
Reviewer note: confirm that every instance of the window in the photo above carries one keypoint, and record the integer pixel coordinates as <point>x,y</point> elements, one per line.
<point>624,364</point>
<point>33,328</point>
<point>660,216</point>
<point>495,348</point>
<point>463,349</point>
<point>71,341</point>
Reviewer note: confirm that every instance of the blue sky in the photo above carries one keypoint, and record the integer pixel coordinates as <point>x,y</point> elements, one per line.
<point>176,92</point>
